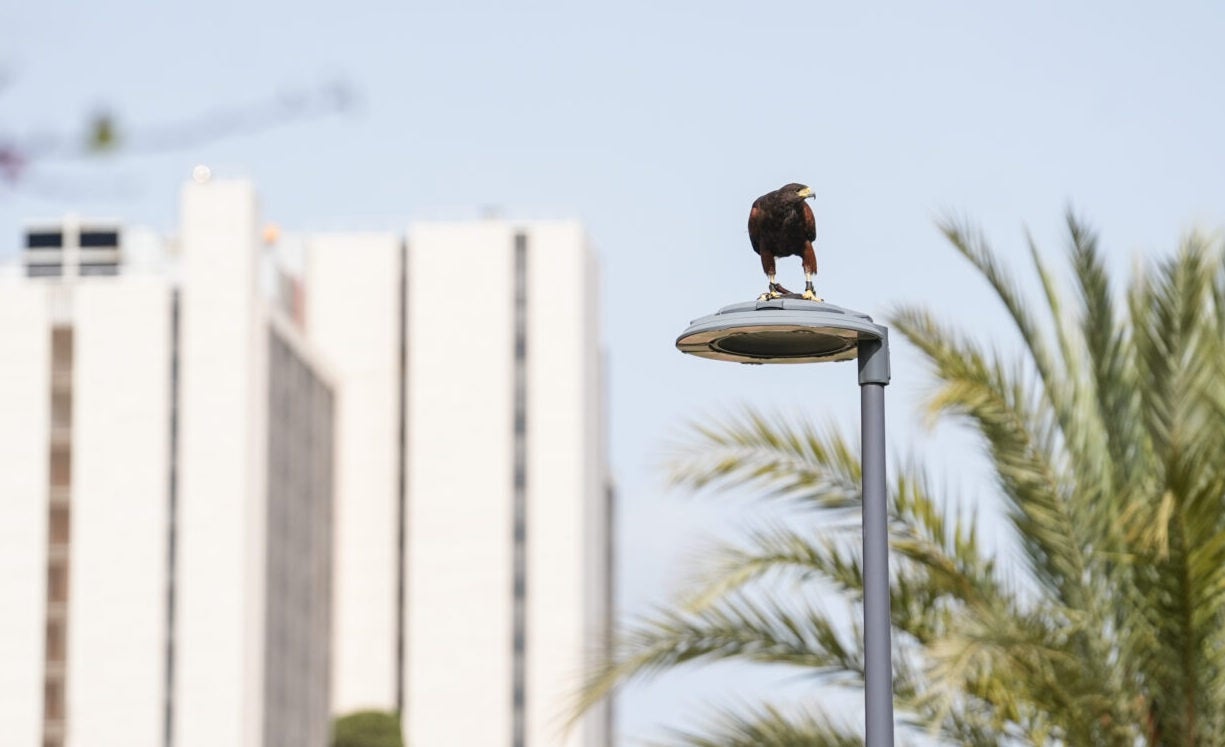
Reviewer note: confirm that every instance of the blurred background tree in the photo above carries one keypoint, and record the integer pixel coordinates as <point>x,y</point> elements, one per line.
<point>367,729</point>
<point>104,134</point>
<point>1106,437</point>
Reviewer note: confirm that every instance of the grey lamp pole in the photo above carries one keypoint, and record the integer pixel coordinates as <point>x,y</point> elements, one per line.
<point>795,331</point>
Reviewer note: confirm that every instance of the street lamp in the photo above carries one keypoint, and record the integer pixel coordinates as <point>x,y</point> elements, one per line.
<point>790,330</point>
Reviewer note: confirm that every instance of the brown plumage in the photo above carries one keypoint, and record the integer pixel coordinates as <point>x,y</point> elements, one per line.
<point>782,225</point>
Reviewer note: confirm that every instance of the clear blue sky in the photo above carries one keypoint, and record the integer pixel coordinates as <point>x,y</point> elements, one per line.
<point>657,124</point>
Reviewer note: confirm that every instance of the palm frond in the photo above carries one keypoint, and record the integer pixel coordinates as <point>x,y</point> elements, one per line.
<point>770,726</point>
<point>786,460</point>
<point>1021,441</point>
<point>972,245</point>
<point>760,629</point>
<point>1114,413</point>
<point>775,550</point>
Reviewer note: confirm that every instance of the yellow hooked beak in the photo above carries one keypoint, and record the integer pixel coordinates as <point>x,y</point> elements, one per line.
<point>806,192</point>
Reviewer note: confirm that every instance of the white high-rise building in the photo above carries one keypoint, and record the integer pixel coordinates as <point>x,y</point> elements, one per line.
<point>250,481</point>
<point>504,433</point>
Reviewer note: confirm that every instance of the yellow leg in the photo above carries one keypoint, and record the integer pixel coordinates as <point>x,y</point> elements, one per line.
<point>808,292</point>
<point>771,292</point>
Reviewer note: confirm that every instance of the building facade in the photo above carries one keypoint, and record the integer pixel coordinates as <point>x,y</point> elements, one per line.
<point>507,499</point>
<point>253,481</point>
<point>160,425</point>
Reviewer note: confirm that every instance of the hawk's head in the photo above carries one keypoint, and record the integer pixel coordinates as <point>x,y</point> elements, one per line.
<point>796,192</point>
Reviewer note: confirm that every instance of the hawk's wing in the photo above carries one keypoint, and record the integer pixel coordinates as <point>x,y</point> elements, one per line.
<point>756,216</point>
<point>810,223</point>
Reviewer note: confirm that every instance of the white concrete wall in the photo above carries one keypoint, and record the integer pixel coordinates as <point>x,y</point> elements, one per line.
<point>353,319</point>
<point>565,556</point>
<point>459,563</point>
<point>598,528</point>
<point>460,488</point>
<point>120,512</point>
<point>219,683</point>
<point>25,420</point>
<point>298,483</point>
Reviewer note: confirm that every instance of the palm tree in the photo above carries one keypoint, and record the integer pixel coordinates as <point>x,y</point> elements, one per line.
<point>1106,435</point>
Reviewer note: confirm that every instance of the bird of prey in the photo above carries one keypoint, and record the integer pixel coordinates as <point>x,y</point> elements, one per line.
<point>781,225</point>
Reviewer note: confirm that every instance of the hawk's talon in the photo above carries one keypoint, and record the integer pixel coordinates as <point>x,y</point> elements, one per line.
<point>808,295</point>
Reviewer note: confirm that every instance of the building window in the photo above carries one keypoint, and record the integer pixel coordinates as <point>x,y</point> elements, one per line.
<point>99,269</point>
<point>61,409</point>
<point>44,239</point>
<point>44,271</point>
<point>58,536</point>
<point>59,524</point>
<point>61,467</point>
<point>56,641</point>
<point>61,349</point>
<point>99,238</point>
<point>53,692</point>
<point>57,585</point>
<point>519,484</point>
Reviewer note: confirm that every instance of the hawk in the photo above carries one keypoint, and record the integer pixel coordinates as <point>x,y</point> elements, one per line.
<point>781,225</point>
